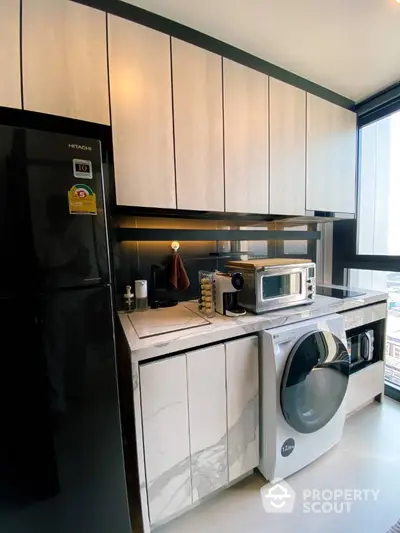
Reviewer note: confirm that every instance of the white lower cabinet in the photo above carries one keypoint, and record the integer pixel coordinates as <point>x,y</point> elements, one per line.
<point>163,386</point>
<point>242,405</point>
<point>200,423</point>
<point>207,419</point>
<point>364,385</point>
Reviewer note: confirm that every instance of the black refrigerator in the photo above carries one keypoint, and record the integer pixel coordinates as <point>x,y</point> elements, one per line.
<point>61,453</point>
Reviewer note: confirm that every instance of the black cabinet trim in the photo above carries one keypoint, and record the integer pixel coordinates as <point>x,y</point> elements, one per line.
<point>180,31</point>
<point>150,234</point>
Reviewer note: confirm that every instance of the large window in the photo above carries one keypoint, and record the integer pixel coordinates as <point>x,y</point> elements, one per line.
<point>379,187</point>
<point>366,251</point>
<point>372,258</point>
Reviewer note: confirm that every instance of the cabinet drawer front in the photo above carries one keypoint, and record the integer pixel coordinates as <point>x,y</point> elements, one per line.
<point>197,92</point>
<point>364,386</point>
<point>364,315</point>
<point>242,405</point>
<point>287,149</point>
<point>331,157</point>
<point>141,112</point>
<point>246,139</point>
<point>65,60</point>
<point>207,419</point>
<point>10,84</point>
<point>163,387</point>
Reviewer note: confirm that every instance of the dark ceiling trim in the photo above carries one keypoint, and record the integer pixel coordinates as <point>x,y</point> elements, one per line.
<point>381,98</point>
<point>379,105</point>
<point>170,27</point>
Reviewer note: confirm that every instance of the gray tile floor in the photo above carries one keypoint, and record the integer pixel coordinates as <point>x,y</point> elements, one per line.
<point>368,457</point>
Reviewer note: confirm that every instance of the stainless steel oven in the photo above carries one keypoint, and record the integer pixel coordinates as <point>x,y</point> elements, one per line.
<point>275,283</point>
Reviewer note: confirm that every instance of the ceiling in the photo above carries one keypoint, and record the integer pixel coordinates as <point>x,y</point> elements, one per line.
<point>349,46</point>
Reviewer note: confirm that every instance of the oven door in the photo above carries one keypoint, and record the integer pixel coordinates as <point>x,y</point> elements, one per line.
<point>281,287</point>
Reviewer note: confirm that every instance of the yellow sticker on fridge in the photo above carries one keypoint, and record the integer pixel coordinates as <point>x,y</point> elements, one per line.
<point>82,200</point>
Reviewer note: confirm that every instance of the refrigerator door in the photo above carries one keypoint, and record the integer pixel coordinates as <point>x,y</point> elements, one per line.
<point>15,233</point>
<point>66,200</point>
<point>82,401</point>
<point>28,471</point>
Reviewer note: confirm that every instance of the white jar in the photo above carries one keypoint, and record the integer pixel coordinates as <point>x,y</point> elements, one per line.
<point>141,294</point>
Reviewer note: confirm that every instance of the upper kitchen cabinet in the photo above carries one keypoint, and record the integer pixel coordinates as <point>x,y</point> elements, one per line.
<point>64,52</point>
<point>141,111</point>
<point>331,157</point>
<point>287,154</point>
<point>10,63</point>
<point>246,139</point>
<point>197,93</point>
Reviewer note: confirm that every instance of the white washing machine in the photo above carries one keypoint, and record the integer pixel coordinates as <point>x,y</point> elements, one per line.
<point>304,373</point>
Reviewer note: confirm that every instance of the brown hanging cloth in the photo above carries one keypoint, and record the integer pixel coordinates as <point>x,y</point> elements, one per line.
<point>178,276</point>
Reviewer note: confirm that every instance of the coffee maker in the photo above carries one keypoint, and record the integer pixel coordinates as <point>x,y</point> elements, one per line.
<point>226,288</point>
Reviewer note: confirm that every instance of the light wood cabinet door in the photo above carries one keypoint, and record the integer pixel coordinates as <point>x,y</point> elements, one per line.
<point>141,112</point>
<point>287,108</point>
<point>331,157</point>
<point>207,419</point>
<point>197,92</point>
<point>163,387</point>
<point>242,405</point>
<point>10,62</point>
<point>64,53</point>
<point>246,139</point>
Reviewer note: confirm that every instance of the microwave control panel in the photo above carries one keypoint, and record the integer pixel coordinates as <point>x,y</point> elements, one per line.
<point>311,283</point>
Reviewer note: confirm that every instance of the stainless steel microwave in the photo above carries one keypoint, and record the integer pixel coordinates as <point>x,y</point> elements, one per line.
<point>275,283</point>
<point>361,348</point>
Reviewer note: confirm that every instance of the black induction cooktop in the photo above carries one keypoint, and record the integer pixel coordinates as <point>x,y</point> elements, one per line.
<point>337,293</point>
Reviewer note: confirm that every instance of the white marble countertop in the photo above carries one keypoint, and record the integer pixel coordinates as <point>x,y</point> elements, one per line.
<point>222,328</point>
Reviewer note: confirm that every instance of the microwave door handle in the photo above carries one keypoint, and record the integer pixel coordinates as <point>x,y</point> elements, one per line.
<point>370,351</point>
<point>365,345</point>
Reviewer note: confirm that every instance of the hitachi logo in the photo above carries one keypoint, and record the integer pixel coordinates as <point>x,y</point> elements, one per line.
<point>80,147</point>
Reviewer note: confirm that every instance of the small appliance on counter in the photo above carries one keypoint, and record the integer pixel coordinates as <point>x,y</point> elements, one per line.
<point>270,284</point>
<point>227,288</point>
<point>159,297</point>
<point>361,348</point>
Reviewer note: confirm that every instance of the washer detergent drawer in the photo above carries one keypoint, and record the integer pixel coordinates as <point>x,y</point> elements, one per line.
<point>364,386</point>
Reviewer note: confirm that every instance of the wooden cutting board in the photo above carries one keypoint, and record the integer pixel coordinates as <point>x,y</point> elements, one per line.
<point>258,263</point>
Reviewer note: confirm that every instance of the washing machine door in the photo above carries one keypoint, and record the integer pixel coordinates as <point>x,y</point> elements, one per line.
<point>314,381</point>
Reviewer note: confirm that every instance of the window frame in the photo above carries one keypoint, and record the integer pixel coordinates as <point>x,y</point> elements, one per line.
<point>345,233</point>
